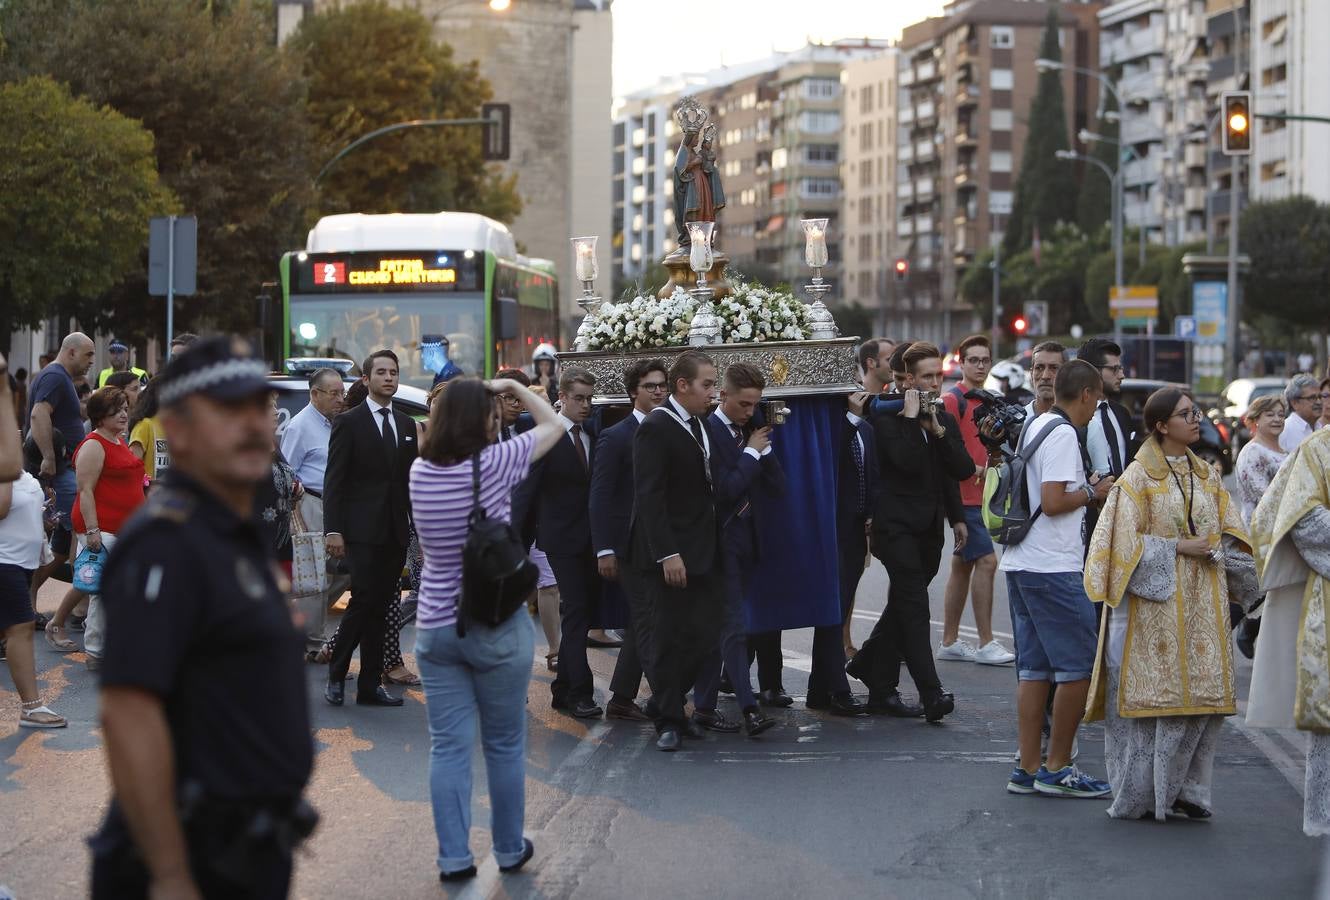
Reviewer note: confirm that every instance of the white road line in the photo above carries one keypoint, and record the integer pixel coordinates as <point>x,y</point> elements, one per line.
<point>966,630</point>
<point>1287,765</point>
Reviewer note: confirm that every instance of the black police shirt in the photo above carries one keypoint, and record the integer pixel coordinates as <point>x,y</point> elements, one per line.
<point>194,615</point>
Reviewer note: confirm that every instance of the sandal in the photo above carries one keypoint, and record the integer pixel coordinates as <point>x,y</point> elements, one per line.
<point>409,679</point>
<point>40,717</point>
<point>54,636</point>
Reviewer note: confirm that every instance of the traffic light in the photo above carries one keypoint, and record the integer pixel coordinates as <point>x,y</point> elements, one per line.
<point>1236,107</point>
<point>1019,325</point>
<point>902,269</point>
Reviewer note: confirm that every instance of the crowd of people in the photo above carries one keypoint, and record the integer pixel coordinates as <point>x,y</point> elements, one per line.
<point>1123,579</point>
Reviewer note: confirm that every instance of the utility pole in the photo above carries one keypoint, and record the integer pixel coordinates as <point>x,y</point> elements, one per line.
<point>1234,342</point>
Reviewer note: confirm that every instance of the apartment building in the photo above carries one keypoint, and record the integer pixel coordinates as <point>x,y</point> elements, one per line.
<point>1156,53</point>
<point>868,184</point>
<point>1290,74</point>
<point>779,124</point>
<point>965,82</point>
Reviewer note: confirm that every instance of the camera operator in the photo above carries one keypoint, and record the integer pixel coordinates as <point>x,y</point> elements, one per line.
<point>1109,438</point>
<point>973,565</point>
<point>921,459</point>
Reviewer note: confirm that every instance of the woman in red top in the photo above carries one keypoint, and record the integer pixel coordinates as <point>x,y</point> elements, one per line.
<point>110,488</point>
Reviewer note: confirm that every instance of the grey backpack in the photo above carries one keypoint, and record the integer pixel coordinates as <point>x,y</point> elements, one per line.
<point>1006,505</point>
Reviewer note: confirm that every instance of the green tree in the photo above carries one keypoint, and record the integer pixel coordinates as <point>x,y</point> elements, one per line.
<point>1094,204</point>
<point>1046,186</point>
<point>1289,245</point>
<point>77,186</point>
<point>370,65</point>
<point>227,110</point>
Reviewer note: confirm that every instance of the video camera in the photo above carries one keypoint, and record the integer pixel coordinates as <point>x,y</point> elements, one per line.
<point>774,412</point>
<point>996,417</point>
<point>895,402</point>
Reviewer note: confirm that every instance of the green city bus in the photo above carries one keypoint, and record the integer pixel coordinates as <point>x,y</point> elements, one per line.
<point>368,282</point>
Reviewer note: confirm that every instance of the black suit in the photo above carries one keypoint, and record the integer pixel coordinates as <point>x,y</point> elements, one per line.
<point>366,501</point>
<point>555,496</point>
<point>611,504</point>
<point>918,491</point>
<point>741,484</point>
<point>674,513</point>
<point>855,501</point>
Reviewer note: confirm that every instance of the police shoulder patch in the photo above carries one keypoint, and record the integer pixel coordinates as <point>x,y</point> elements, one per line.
<point>170,505</point>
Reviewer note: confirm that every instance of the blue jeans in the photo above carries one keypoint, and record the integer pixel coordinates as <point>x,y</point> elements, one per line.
<point>486,672</point>
<point>1054,624</point>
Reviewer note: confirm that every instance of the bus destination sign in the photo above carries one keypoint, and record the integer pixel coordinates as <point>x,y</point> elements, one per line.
<point>369,271</point>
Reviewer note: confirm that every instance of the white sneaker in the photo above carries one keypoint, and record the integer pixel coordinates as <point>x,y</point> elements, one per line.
<point>960,651</point>
<point>993,654</point>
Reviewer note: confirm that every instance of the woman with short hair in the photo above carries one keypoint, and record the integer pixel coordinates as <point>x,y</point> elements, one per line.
<point>1262,456</point>
<point>483,672</point>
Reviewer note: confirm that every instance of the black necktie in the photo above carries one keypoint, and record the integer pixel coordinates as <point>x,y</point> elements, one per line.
<point>389,442</point>
<point>1111,435</point>
<point>738,436</point>
<point>695,425</point>
<point>507,433</point>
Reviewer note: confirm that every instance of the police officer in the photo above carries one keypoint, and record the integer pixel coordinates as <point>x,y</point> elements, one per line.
<point>120,363</point>
<point>204,706</point>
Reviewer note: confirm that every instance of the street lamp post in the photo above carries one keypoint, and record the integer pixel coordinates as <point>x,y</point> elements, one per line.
<point>1086,136</point>
<point>1116,218</point>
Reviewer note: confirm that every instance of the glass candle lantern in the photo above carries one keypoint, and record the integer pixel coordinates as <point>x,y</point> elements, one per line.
<point>584,258</point>
<point>815,242</point>
<point>700,256</point>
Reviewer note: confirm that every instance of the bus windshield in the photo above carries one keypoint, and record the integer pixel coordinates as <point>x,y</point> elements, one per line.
<point>353,326</point>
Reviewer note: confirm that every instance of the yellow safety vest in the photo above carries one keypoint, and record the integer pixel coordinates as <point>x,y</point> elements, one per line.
<point>108,372</point>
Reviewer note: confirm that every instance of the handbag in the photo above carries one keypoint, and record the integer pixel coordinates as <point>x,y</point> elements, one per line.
<point>88,570</point>
<point>309,566</point>
<point>497,575</point>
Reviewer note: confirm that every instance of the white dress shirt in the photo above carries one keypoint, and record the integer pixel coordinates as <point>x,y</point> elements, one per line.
<point>1096,441</point>
<point>858,438</point>
<point>305,446</point>
<point>568,425</point>
<point>732,428</point>
<point>1296,430</point>
<point>380,419</point>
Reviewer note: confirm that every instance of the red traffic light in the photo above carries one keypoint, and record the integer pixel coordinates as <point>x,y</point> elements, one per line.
<point>902,269</point>
<point>1019,324</point>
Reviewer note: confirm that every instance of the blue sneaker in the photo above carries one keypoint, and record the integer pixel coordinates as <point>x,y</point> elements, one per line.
<point>1070,782</point>
<point>1020,782</point>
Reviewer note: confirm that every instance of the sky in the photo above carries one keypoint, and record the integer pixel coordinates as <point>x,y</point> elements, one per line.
<point>655,38</point>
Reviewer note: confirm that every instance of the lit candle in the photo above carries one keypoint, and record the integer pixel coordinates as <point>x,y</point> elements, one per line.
<point>700,256</point>
<point>584,249</point>
<point>815,242</point>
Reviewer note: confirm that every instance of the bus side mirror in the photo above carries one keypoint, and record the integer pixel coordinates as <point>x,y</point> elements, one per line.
<point>507,319</point>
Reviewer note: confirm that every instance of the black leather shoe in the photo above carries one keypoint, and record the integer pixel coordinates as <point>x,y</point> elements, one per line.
<point>756,722</point>
<point>776,698</point>
<point>1248,629</point>
<point>939,705</point>
<point>689,730</point>
<point>627,710</point>
<point>335,693</point>
<point>528,851</point>
<point>894,705</point>
<point>669,740</point>
<point>651,708</point>
<point>839,705</point>
<point>584,708</point>
<point>726,686</point>
<point>380,697</point>
<point>712,720</point>
<point>459,875</point>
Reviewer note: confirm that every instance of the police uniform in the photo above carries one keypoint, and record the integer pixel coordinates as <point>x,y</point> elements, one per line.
<point>196,617</point>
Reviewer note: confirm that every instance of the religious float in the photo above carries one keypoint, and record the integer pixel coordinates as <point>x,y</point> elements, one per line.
<point>809,369</point>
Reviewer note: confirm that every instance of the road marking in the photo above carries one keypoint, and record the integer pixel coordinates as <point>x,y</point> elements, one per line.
<point>966,630</point>
<point>1285,764</point>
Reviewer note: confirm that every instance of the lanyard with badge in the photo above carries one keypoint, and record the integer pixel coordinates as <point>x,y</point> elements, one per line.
<point>702,445</point>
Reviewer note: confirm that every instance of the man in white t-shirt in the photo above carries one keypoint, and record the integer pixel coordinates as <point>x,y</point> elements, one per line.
<point>1052,618</point>
<point>1302,395</point>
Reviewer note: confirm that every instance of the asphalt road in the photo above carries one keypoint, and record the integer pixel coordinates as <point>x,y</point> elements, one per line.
<point>817,807</point>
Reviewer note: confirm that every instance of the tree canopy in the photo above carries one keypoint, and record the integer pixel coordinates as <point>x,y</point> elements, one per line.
<point>226,109</point>
<point>1289,245</point>
<point>369,65</point>
<point>77,186</point>
<point>1046,186</point>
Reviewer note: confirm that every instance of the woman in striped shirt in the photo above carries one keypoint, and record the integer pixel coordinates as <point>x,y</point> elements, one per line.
<point>487,671</point>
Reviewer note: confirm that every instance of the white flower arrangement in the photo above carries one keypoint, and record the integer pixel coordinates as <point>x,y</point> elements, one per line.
<point>750,314</point>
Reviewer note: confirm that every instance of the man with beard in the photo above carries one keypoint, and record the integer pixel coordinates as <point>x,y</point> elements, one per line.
<point>1109,438</point>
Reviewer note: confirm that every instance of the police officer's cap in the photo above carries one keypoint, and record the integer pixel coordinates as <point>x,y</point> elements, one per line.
<point>119,346</point>
<point>214,368</point>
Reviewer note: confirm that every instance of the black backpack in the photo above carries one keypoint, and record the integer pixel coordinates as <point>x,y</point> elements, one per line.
<point>497,575</point>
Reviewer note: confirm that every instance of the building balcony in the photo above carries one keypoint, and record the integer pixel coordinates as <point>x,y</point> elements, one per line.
<point>906,77</point>
<point>923,189</point>
<point>1194,156</point>
<point>967,243</point>
<point>905,227</point>
<point>966,180</point>
<point>1140,130</point>
<point>1141,86</point>
<point>1139,171</point>
<point>926,72</point>
<point>904,154</point>
<point>905,192</point>
<point>923,151</point>
<point>967,139</point>
<point>967,95</point>
<point>1194,199</point>
<point>906,116</point>
<point>1122,47</point>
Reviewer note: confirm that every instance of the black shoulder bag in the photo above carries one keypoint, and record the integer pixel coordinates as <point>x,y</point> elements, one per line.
<point>497,575</point>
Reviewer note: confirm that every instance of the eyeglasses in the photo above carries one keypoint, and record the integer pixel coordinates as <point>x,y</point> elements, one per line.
<point>978,361</point>
<point>1325,395</point>
<point>653,386</point>
<point>1190,414</point>
<point>510,400</point>
<point>1308,397</point>
<point>1117,370</point>
<point>332,392</point>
